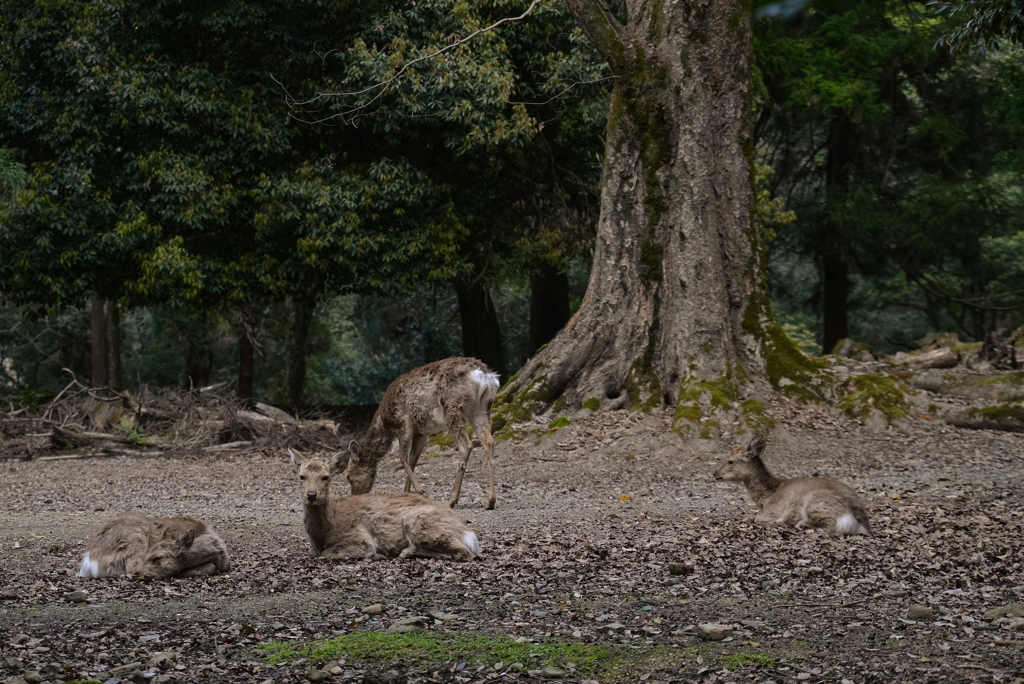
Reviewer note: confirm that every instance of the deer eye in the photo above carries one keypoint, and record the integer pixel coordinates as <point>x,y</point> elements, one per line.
<point>303,477</point>
<point>730,462</point>
<point>326,478</point>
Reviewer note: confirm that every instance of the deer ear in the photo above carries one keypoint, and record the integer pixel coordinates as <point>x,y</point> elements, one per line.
<point>756,446</point>
<point>338,463</point>
<point>355,449</point>
<point>185,539</point>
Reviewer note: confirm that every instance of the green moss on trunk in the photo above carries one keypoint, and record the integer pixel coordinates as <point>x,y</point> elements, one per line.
<point>878,392</point>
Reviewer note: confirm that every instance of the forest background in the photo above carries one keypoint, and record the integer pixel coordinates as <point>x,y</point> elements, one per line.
<point>182,205</point>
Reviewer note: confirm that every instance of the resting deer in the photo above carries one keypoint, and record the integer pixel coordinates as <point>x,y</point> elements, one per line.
<point>813,501</point>
<point>154,547</point>
<point>444,395</point>
<point>368,525</point>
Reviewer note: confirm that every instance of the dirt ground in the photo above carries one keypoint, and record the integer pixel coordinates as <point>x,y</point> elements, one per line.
<point>577,552</point>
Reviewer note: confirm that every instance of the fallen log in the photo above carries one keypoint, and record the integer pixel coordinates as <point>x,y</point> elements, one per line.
<point>1006,417</point>
<point>229,445</point>
<point>943,357</point>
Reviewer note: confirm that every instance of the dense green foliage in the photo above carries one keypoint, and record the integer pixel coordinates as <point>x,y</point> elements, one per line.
<point>984,24</point>
<point>902,167</point>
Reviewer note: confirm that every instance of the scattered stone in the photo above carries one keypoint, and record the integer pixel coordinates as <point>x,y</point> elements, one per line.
<point>375,609</point>
<point>1009,610</point>
<point>814,570</point>
<point>919,612</point>
<point>113,680</point>
<point>612,628</point>
<point>162,661</point>
<point>139,676</point>
<point>77,596</point>
<point>392,676</point>
<point>16,680</point>
<point>125,670</point>
<point>32,677</point>
<point>714,632</point>
<point>552,672</point>
<point>670,582</point>
<point>680,568</point>
<point>316,675</point>
<point>20,639</point>
<point>50,669</point>
<point>12,664</point>
<point>409,624</point>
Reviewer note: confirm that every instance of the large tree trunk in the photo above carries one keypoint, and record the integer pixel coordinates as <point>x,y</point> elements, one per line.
<point>677,307</point>
<point>106,345</point>
<point>300,317</point>
<point>246,356</point>
<point>835,298</point>
<point>481,332</point>
<point>549,305</point>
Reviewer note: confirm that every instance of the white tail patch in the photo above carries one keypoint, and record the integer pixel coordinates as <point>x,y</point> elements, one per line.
<point>847,524</point>
<point>489,383</point>
<point>471,542</point>
<point>90,568</point>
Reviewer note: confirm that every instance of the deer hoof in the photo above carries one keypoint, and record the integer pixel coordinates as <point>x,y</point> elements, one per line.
<point>490,505</point>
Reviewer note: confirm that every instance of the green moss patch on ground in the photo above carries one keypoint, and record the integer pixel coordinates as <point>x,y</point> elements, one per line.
<point>701,403</point>
<point>879,392</point>
<point>559,423</point>
<point>1000,413</point>
<point>428,650</point>
<point>593,403</point>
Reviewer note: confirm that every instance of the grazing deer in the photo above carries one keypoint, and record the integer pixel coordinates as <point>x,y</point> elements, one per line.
<point>154,547</point>
<point>444,395</point>
<point>366,525</point>
<point>813,501</point>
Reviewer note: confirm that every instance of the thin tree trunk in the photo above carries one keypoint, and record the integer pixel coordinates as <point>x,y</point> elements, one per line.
<point>677,308</point>
<point>481,332</point>
<point>99,343</point>
<point>246,356</point>
<point>198,353</point>
<point>835,300</point>
<point>549,305</point>
<point>106,345</point>
<point>300,317</point>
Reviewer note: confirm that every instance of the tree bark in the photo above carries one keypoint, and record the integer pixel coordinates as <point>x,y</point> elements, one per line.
<point>481,332</point>
<point>549,305</point>
<point>246,358</point>
<point>106,345</point>
<point>300,317</point>
<point>677,301</point>
<point>835,298</point>
<point>198,353</point>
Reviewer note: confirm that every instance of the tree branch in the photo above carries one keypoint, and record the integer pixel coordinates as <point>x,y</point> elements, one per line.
<point>602,29</point>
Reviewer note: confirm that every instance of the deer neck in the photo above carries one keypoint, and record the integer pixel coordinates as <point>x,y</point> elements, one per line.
<point>317,520</point>
<point>376,443</point>
<point>761,484</point>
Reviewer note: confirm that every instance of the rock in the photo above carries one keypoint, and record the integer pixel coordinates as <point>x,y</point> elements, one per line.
<point>943,357</point>
<point>50,669</point>
<point>32,677</point>
<point>552,672</point>
<point>375,609</point>
<point>612,628</point>
<point>714,632</point>
<point>409,624</point>
<point>581,414</point>
<point>814,570</point>
<point>125,670</point>
<point>276,414</point>
<point>162,661</point>
<point>16,680</point>
<point>670,582</point>
<point>1009,610</point>
<point>919,612</point>
<point>139,676</point>
<point>876,422</point>
<point>315,675</point>
<point>77,596</point>
<point>334,670</point>
<point>680,568</point>
<point>12,665</point>
<point>113,680</point>
<point>20,639</point>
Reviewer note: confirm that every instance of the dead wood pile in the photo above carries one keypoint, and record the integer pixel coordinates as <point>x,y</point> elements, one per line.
<point>81,422</point>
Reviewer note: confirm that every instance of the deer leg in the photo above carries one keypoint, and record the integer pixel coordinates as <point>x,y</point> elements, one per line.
<point>465,444</point>
<point>419,442</point>
<point>405,442</point>
<point>483,428</point>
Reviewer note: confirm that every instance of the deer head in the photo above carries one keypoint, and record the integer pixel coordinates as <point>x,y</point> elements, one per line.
<point>743,462</point>
<point>166,557</point>
<point>315,478</point>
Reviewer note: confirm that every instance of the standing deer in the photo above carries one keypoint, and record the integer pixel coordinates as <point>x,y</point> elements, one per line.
<point>367,525</point>
<point>813,501</point>
<point>154,547</point>
<point>444,395</point>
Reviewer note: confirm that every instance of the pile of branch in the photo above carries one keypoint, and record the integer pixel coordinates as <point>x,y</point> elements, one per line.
<point>81,422</point>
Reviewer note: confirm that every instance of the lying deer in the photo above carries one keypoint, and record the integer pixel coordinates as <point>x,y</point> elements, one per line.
<point>813,501</point>
<point>154,547</point>
<point>366,525</point>
<point>444,395</point>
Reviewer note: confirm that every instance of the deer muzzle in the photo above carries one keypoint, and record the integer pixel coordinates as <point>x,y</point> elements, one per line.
<point>310,496</point>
